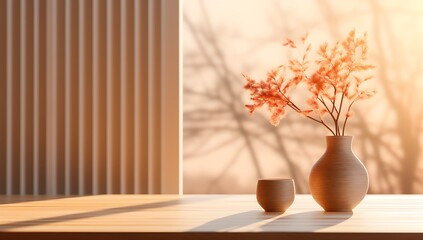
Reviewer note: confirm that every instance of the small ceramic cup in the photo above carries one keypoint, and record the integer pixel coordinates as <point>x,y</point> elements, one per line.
<point>275,195</point>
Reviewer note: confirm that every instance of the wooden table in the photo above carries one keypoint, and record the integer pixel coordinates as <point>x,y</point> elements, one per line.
<point>204,217</point>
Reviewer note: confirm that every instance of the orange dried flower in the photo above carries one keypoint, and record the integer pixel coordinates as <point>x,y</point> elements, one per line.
<point>289,43</point>
<point>333,84</point>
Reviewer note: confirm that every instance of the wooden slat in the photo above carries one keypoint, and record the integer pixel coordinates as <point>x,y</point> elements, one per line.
<point>3,94</point>
<point>51,99</point>
<point>13,85</point>
<point>23,97</point>
<point>99,97</point>
<point>85,97</point>
<point>71,93</point>
<point>36,99</point>
<point>26,97</point>
<point>127,97</point>
<point>38,179</point>
<point>171,168</point>
<point>60,96</point>
<point>154,101</point>
<point>39,103</point>
<point>113,96</point>
<point>207,217</point>
<point>56,98</point>
<point>141,97</point>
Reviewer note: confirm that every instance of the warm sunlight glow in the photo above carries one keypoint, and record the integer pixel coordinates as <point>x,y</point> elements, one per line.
<point>226,150</point>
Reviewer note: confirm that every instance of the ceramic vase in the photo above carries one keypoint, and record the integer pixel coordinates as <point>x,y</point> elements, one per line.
<point>338,180</point>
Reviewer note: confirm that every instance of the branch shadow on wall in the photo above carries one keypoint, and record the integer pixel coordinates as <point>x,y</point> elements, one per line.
<point>391,145</point>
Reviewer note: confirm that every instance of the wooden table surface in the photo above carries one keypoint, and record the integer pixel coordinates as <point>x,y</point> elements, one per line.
<point>204,217</point>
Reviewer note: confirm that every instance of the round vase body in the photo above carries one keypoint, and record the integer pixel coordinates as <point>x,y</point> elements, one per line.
<point>338,180</point>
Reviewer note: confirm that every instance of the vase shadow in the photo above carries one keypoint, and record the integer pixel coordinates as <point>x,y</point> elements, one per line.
<point>235,221</point>
<point>309,221</point>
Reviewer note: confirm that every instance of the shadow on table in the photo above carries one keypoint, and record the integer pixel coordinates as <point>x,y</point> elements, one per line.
<point>235,221</point>
<point>276,222</point>
<point>306,221</point>
<point>101,212</point>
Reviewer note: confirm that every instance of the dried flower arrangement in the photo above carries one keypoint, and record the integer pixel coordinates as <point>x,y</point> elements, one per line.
<point>333,84</point>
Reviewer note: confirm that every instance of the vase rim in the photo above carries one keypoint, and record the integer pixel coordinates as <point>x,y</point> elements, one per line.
<point>339,136</point>
<point>275,179</point>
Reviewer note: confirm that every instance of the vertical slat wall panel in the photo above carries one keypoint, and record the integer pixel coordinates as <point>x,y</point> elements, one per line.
<point>81,105</point>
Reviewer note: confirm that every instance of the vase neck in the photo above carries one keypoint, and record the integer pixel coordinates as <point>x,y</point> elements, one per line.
<point>338,142</point>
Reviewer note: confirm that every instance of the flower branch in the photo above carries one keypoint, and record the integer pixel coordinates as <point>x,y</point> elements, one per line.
<point>332,82</point>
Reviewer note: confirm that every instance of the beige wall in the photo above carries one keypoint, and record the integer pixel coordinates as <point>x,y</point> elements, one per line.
<point>226,150</point>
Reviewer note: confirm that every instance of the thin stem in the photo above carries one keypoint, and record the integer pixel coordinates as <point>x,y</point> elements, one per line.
<point>346,118</point>
<point>333,101</point>
<point>316,120</point>
<point>290,103</point>
<point>327,108</point>
<point>342,101</point>
<point>340,108</point>
<point>298,110</point>
<point>322,122</point>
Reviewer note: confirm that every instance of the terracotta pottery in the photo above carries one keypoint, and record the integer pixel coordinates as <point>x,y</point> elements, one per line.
<point>338,180</point>
<point>275,195</point>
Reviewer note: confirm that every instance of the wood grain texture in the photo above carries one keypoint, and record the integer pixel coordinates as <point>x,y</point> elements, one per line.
<point>204,217</point>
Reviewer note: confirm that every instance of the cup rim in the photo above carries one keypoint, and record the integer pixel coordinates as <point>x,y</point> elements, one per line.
<point>275,179</point>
